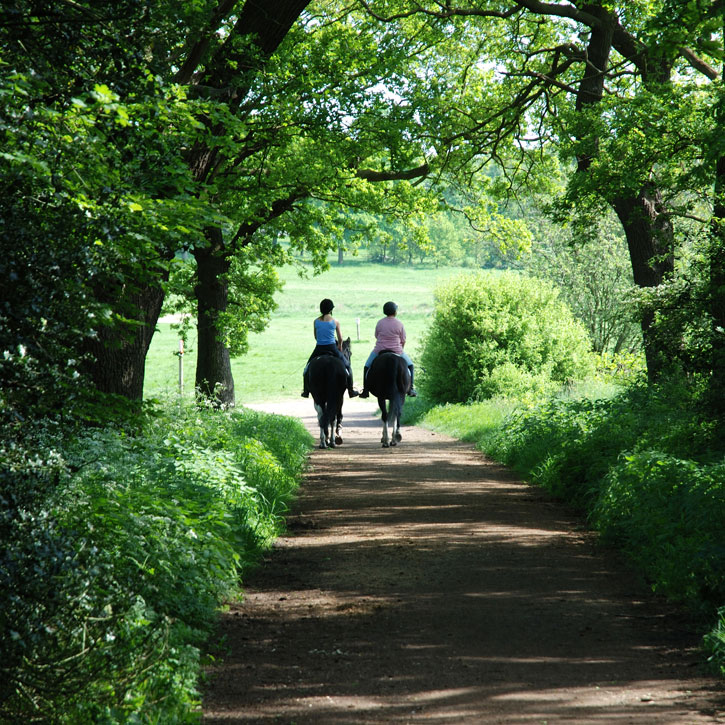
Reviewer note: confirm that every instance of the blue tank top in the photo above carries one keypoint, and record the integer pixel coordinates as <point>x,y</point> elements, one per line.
<point>324,332</point>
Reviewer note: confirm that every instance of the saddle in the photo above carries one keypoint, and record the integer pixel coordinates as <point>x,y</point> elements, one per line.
<point>324,352</point>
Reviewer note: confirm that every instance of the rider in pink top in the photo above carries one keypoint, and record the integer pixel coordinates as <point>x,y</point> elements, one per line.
<point>389,335</point>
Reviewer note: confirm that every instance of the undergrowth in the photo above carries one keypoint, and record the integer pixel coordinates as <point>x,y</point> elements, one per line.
<point>119,547</point>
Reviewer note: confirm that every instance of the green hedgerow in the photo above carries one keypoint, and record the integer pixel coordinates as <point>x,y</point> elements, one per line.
<point>118,550</point>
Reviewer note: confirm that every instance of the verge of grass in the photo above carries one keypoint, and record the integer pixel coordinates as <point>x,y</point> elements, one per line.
<point>473,422</point>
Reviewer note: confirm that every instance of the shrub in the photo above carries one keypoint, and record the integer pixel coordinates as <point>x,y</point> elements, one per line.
<point>669,515</point>
<point>119,548</point>
<point>500,334</point>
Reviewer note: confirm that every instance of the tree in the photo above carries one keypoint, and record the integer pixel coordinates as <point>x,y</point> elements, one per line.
<point>595,279</point>
<point>614,86</point>
<point>84,201</point>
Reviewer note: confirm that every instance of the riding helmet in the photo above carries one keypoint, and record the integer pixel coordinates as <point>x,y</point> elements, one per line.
<point>326,306</point>
<point>390,308</point>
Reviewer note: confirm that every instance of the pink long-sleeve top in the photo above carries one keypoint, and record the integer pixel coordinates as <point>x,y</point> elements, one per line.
<point>390,335</point>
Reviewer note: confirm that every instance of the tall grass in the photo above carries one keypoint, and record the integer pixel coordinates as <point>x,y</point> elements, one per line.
<point>272,369</point>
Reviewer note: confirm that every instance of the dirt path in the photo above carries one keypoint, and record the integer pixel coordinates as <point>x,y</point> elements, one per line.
<point>425,584</point>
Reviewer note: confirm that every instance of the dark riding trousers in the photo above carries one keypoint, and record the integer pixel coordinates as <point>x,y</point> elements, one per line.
<point>330,350</point>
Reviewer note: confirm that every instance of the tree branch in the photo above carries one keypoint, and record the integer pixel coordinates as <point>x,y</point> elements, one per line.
<point>376,176</point>
<point>699,64</point>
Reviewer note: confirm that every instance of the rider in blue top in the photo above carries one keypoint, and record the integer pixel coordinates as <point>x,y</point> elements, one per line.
<point>326,329</point>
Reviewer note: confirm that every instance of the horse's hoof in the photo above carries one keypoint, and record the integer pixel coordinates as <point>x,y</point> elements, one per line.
<point>398,437</point>
<point>386,445</point>
<point>322,447</point>
<point>338,440</point>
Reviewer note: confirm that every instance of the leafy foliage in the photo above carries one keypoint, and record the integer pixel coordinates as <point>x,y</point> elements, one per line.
<point>119,548</point>
<point>500,334</point>
<point>594,274</point>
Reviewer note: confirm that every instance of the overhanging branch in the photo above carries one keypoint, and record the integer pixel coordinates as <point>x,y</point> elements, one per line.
<point>375,176</point>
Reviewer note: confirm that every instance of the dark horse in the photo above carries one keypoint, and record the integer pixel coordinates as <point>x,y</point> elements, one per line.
<point>389,380</point>
<point>327,381</point>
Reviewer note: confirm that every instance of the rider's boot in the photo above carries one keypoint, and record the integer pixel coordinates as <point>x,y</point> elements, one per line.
<point>350,390</point>
<point>365,393</point>
<point>305,392</point>
<point>411,391</point>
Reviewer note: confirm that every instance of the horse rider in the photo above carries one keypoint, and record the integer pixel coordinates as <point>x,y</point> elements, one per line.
<point>326,328</point>
<point>389,335</point>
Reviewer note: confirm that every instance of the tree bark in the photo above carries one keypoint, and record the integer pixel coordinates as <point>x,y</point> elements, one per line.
<point>650,240</point>
<point>214,378</point>
<point>118,356</point>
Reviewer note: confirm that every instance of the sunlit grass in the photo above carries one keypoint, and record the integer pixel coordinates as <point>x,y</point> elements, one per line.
<point>272,369</point>
<point>473,422</point>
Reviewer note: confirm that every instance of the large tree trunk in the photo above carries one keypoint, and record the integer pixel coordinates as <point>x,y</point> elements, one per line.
<point>649,233</point>
<point>213,365</point>
<point>650,239</point>
<point>118,356</point>
<point>231,69</point>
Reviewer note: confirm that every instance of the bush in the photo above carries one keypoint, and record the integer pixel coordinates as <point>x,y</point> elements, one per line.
<point>668,513</point>
<point>119,548</point>
<point>498,335</point>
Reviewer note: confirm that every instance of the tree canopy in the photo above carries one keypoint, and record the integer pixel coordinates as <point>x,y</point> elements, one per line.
<point>137,131</point>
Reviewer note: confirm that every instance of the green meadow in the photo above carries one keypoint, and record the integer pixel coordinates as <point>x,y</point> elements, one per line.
<point>272,369</point>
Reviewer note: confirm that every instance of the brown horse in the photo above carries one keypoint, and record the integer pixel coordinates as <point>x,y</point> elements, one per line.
<point>327,382</point>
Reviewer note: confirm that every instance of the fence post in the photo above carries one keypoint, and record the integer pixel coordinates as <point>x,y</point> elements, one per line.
<point>357,320</point>
<point>181,367</point>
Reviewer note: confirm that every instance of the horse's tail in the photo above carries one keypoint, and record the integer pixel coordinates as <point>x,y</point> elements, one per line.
<point>402,383</point>
<point>327,392</point>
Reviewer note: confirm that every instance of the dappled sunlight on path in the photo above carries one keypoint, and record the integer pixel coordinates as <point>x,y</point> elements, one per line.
<point>424,583</point>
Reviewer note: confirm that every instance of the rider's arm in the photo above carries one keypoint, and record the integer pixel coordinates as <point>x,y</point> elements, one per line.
<point>339,334</point>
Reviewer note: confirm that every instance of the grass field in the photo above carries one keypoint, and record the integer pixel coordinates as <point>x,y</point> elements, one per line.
<point>272,369</point>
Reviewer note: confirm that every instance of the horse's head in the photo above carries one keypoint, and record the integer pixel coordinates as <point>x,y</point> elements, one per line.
<point>347,348</point>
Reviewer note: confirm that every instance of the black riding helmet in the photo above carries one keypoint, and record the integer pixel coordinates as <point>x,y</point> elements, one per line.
<point>326,306</point>
<point>390,308</point>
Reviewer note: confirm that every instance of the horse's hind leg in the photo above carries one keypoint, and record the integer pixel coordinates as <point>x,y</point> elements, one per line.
<point>385,440</point>
<point>323,435</point>
<point>395,412</point>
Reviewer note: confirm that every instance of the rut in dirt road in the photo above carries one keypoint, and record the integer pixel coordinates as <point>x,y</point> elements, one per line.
<point>425,584</point>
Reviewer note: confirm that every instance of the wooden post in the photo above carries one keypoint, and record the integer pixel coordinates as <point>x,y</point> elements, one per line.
<point>357,320</point>
<point>181,367</point>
